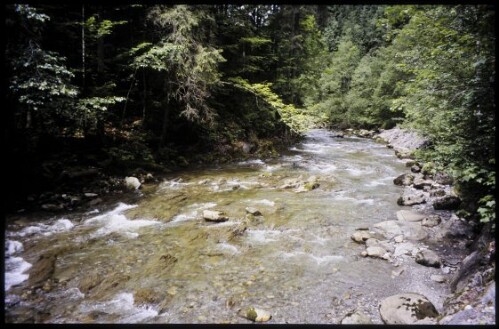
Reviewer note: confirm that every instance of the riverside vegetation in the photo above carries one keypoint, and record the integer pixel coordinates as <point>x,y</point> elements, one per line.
<point>103,99</point>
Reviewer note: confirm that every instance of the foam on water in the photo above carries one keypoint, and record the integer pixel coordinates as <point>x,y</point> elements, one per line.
<point>257,162</point>
<point>11,247</point>
<point>193,213</point>
<point>115,221</point>
<point>14,271</point>
<point>59,226</point>
<point>263,236</point>
<point>224,246</point>
<point>123,306</point>
<point>317,259</point>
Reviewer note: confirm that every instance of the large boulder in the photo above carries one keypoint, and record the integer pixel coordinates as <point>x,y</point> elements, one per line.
<point>420,183</point>
<point>455,228</point>
<point>447,202</point>
<point>407,308</point>
<point>392,228</point>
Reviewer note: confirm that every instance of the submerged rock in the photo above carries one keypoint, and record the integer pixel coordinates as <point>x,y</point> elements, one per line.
<point>214,216</point>
<point>407,308</point>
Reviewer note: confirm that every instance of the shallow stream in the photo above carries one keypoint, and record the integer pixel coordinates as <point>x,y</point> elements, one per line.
<point>159,261</point>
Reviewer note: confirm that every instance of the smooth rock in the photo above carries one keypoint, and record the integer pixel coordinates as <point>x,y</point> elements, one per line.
<point>356,318</point>
<point>391,228</point>
<point>132,183</point>
<point>428,258</point>
<point>399,239</point>
<point>360,236</point>
<point>214,216</point>
<point>90,195</point>
<point>253,211</point>
<point>407,308</point>
<point>420,183</point>
<point>415,168</point>
<point>431,221</point>
<point>405,248</point>
<point>377,252</point>
<point>257,315</point>
<point>409,216</point>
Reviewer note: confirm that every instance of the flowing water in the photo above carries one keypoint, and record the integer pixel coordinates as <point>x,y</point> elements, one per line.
<point>158,261</point>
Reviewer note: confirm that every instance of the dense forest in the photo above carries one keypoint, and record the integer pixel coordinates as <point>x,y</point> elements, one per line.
<point>113,88</point>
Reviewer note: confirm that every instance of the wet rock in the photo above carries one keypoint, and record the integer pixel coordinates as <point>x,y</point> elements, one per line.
<point>90,195</point>
<point>404,180</point>
<point>437,193</point>
<point>253,211</point>
<point>95,202</point>
<point>409,216</point>
<point>146,296</point>
<point>420,183</point>
<point>447,202</point>
<point>404,153</point>
<point>428,258</point>
<point>132,183</point>
<point>398,239</point>
<point>415,169</point>
<point>52,207</point>
<point>88,282</point>
<point>411,200</point>
<point>431,221</point>
<point>256,314</point>
<point>407,308</point>
<point>356,318</point>
<point>214,216</point>
<point>360,236</point>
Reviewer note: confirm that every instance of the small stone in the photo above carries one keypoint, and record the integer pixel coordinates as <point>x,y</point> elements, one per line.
<point>363,253</point>
<point>376,252</point>
<point>445,270</point>
<point>257,315</point>
<point>214,216</point>
<point>399,239</point>
<point>438,278</point>
<point>253,211</point>
<point>428,258</point>
<point>360,236</point>
<point>132,183</point>
<point>431,221</point>
<point>468,307</point>
<point>397,272</point>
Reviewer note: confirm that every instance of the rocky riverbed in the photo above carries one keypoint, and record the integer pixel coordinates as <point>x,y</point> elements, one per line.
<point>337,230</point>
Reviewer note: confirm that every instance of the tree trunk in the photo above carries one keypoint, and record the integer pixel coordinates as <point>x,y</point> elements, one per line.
<point>83,46</point>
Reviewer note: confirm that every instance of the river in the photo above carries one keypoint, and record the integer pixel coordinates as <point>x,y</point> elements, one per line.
<point>157,261</point>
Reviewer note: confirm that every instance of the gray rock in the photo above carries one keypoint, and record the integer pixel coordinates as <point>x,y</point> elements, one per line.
<point>456,228</point>
<point>391,228</point>
<point>253,211</point>
<point>404,180</point>
<point>420,183</point>
<point>214,216</point>
<point>431,221</point>
<point>408,308</point>
<point>403,138</point>
<point>405,248</point>
<point>447,202</point>
<point>90,195</point>
<point>256,315</point>
<point>428,258</point>
<point>411,200</point>
<point>132,183</point>
<point>415,168</point>
<point>356,318</point>
<point>377,252</point>
<point>360,236</point>
<point>437,193</point>
<point>409,216</point>
<point>443,179</point>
